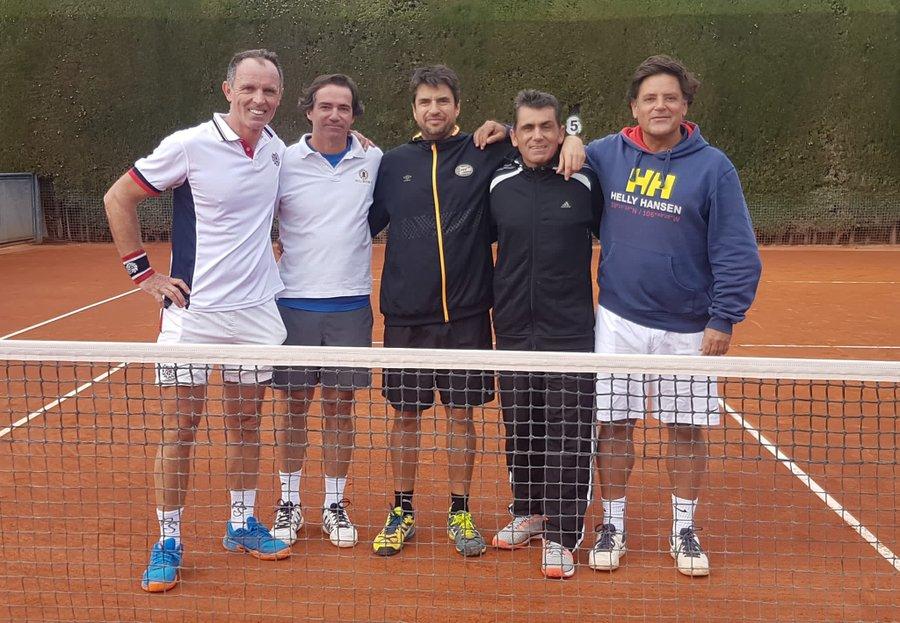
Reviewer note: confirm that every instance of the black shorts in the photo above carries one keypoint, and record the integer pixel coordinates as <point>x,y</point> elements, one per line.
<point>413,390</point>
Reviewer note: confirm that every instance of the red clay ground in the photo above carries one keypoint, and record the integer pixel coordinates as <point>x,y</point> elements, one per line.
<point>77,510</point>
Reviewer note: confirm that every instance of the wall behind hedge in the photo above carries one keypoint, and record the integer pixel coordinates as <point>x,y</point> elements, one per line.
<point>803,96</point>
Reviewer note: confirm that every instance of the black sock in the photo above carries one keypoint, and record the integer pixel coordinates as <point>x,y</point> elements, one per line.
<point>403,499</point>
<point>459,503</point>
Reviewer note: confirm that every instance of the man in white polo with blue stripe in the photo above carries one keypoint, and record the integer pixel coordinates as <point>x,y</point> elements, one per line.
<point>324,197</point>
<point>222,286</point>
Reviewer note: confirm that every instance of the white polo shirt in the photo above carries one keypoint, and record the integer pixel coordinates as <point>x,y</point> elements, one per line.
<point>323,221</point>
<point>224,204</point>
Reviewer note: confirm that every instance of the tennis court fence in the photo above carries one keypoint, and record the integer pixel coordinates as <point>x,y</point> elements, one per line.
<point>72,216</point>
<point>798,512</point>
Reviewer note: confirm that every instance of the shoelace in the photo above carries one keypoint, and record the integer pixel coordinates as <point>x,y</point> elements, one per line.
<point>690,546</point>
<point>554,550</point>
<point>339,514</point>
<point>284,514</point>
<point>519,523</point>
<point>395,520</point>
<point>605,540</point>
<point>257,530</point>
<point>464,522</point>
<point>163,557</point>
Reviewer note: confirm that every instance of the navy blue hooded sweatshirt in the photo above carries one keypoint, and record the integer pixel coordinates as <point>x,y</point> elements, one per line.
<point>678,250</point>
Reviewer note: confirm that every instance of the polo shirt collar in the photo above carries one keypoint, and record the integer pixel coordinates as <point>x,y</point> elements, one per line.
<point>227,134</point>
<point>356,148</point>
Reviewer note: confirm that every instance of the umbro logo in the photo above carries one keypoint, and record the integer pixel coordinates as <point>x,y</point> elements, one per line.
<point>407,178</point>
<point>566,205</point>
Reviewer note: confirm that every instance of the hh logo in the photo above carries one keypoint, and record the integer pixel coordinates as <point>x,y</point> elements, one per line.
<point>648,182</point>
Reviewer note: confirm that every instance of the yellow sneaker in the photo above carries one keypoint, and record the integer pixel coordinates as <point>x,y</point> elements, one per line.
<point>398,529</point>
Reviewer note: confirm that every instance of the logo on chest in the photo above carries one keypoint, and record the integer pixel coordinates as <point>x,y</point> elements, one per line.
<point>276,160</point>
<point>648,182</point>
<point>407,178</point>
<point>363,177</point>
<point>464,170</point>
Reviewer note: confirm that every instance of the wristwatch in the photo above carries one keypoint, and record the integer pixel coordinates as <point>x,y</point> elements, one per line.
<point>573,121</point>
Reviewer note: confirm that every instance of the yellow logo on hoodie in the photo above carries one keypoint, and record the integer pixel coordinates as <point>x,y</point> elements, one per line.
<point>649,182</point>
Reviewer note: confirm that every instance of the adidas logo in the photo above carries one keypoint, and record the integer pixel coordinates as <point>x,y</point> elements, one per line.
<point>566,205</point>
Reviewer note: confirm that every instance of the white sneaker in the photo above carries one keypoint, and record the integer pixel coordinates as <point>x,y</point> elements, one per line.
<point>608,550</point>
<point>288,521</point>
<point>518,532</point>
<point>557,561</point>
<point>688,555</point>
<point>337,525</point>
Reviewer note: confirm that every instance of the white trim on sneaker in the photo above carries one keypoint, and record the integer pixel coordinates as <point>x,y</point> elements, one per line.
<point>288,522</point>
<point>337,525</point>
<point>606,555</point>
<point>689,557</point>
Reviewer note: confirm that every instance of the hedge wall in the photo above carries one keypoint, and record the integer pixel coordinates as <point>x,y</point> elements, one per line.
<point>803,96</point>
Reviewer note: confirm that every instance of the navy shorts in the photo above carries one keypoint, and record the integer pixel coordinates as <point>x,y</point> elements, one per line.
<point>310,328</point>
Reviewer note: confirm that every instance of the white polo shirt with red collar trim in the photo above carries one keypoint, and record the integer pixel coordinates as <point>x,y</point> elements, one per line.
<point>323,221</point>
<point>224,195</point>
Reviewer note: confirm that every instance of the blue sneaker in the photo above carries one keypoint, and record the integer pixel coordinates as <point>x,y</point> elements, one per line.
<point>162,572</point>
<point>256,540</point>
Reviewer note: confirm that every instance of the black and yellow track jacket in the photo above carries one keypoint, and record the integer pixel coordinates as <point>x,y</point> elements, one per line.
<point>543,225</point>
<point>433,194</point>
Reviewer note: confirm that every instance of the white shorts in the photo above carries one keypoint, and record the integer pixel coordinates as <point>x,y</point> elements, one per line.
<point>253,325</point>
<point>679,399</point>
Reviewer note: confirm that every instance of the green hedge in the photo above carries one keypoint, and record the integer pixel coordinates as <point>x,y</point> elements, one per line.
<point>801,95</point>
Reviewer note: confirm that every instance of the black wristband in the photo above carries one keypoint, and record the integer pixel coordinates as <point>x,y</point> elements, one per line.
<point>137,265</point>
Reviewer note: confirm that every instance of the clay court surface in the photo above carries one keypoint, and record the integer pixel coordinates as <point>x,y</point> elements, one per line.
<point>77,511</point>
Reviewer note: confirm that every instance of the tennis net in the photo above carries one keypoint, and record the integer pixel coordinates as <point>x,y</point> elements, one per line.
<point>797,513</point>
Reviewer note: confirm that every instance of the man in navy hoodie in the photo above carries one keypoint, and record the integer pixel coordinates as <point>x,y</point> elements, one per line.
<point>679,267</point>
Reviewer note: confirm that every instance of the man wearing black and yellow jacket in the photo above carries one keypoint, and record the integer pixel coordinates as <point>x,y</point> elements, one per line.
<point>436,288</point>
<point>543,301</point>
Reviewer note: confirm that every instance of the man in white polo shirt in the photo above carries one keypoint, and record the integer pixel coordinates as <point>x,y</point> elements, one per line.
<point>327,180</point>
<point>224,176</point>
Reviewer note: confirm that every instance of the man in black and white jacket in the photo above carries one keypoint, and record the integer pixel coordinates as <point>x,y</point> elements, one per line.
<point>543,301</point>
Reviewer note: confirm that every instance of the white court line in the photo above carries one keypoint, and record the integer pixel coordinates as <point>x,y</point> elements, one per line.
<point>67,314</point>
<point>76,391</point>
<point>813,486</point>
<point>831,346</point>
<point>58,401</point>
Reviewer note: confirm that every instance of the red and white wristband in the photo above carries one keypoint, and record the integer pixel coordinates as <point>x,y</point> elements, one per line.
<point>137,265</point>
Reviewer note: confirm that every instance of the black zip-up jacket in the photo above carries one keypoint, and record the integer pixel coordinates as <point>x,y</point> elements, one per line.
<point>542,282</point>
<point>433,194</point>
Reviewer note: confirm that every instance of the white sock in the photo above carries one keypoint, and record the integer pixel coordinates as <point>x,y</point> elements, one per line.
<point>334,490</point>
<point>169,525</point>
<point>290,486</point>
<point>242,505</point>
<point>682,514</point>
<point>614,513</point>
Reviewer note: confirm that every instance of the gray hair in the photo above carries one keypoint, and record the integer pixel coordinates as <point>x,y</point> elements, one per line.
<point>260,54</point>
<point>531,98</point>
